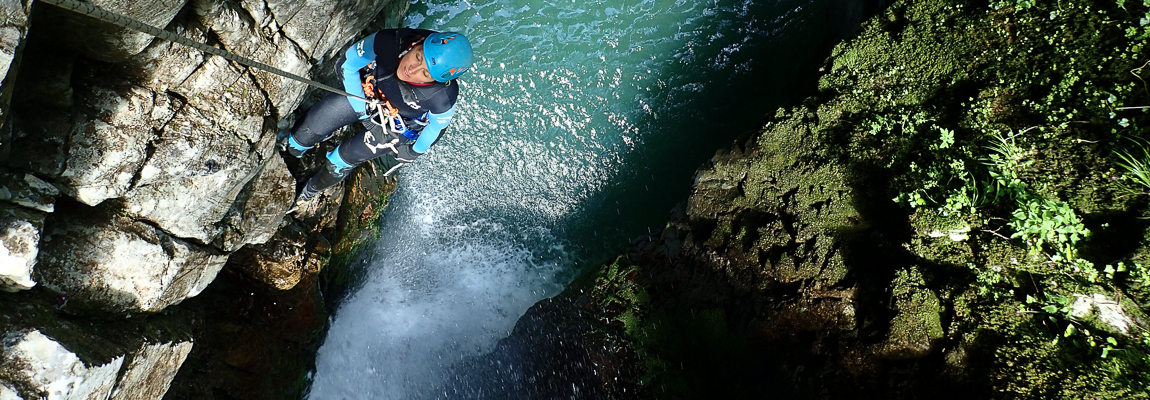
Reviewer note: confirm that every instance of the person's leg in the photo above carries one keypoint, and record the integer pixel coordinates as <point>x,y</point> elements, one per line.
<point>329,114</point>
<point>364,146</point>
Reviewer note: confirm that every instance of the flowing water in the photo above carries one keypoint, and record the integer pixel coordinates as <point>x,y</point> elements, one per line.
<point>578,131</point>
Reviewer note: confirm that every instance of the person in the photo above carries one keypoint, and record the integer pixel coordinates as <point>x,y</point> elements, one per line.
<point>409,77</point>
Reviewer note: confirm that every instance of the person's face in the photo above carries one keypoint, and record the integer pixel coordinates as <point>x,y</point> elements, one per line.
<point>412,68</point>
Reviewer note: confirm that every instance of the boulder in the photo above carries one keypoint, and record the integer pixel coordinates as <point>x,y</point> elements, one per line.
<point>28,191</point>
<point>42,368</point>
<point>259,208</point>
<point>150,371</point>
<point>105,41</point>
<point>12,33</point>
<point>104,262</point>
<point>49,363</point>
<point>26,199</point>
<point>19,245</point>
<point>108,144</point>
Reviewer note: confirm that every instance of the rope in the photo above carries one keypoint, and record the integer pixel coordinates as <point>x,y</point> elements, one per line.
<point>120,20</point>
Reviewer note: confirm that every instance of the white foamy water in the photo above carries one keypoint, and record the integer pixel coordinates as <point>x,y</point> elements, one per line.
<point>436,292</point>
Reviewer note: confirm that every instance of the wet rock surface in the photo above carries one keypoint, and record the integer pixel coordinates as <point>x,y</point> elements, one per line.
<point>134,171</point>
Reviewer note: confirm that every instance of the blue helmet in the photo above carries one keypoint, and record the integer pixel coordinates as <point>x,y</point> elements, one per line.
<point>447,54</point>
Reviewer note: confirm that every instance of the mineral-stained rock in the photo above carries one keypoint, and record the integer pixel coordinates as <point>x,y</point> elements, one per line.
<point>279,263</point>
<point>150,371</point>
<point>19,244</point>
<point>101,260</point>
<point>109,145</point>
<point>42,368</point>
<point>193,176</point>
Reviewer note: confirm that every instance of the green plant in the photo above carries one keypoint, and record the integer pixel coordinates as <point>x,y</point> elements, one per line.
<point>1006,160</point>
<point>1137,171</point>
<point>1043,222</point>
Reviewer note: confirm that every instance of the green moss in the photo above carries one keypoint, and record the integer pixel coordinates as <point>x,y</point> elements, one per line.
<point>918,325</point>
<point>904,57</point>
<point>963,115</point>
<point>690,354</point>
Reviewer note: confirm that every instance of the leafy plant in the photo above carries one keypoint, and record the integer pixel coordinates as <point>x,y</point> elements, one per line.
<point>1042,222</point>
<point>1137,171</point>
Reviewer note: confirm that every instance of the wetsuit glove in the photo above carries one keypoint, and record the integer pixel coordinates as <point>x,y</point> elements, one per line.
<point>404,154</point>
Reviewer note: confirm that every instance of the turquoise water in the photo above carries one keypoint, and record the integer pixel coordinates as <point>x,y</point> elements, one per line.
<point>579,129</point>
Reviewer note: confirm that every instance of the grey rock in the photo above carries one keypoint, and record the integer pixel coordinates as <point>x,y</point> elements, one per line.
<point>108,42</point>
<point>28,191</point>
<point>103,262</point>
<point>45,369</point>
<point>13,29</point>
<point>173,148</point>
<point>240,29</point>
<point>199,165</point>
<point>108,145</point>
<point>8,393</point>
<point>19,246</point>
<point>260,208</point>
<point>150,371</point>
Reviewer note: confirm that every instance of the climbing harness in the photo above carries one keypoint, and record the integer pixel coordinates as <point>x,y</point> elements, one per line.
<point>394,121</point>
<point>126,22</point>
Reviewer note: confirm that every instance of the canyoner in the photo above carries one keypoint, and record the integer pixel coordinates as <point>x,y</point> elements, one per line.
<point>407,78</point>
<point>419,70</point>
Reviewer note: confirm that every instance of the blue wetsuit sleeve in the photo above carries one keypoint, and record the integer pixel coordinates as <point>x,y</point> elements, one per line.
<point>435,125</point>
<point>358,56</point>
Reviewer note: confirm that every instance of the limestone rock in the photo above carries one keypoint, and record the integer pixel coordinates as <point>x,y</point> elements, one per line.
<point>247,29</point>
<point>45,369</point>
<point>105,261</point>
<point>107,42</point>
<point>12,33</point>
<point>260,208</point>
<point>108,146</point>
<point>8,393</point>
<point>150,371</point>
<point>194,175</point>
<point>28,191</point>
<point>1105,313</point>
<point>19,245</point>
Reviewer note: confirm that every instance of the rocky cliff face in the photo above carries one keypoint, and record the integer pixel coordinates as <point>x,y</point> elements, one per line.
<point>132,169</point>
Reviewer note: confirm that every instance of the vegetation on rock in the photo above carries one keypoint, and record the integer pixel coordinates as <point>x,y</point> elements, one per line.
<point>962,207</point>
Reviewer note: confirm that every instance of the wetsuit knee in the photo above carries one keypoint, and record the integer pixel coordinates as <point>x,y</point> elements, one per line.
<point>295,148</point>
<point>337,163</point>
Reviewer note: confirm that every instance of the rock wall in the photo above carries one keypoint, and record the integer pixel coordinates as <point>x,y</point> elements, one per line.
<point>131,169</point>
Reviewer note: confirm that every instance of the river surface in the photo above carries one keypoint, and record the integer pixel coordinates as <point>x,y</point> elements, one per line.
<point>578,130</point>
